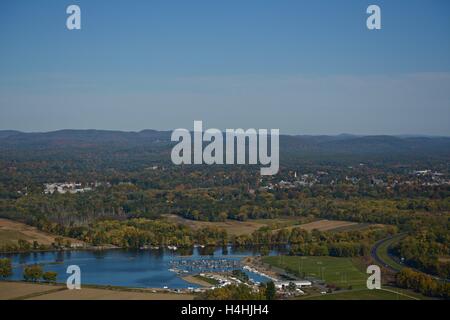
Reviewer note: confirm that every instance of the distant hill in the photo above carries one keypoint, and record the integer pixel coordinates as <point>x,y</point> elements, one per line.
<point>345,144</point>
<point>81,138</point>
<point>7,133</point>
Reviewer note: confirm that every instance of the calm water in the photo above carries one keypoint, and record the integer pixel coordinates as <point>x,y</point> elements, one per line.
<point>141,268</point>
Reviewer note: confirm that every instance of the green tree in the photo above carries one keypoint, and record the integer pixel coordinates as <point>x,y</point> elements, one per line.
<point>270,291</point>
<point>50,276</point>
<point>24,245</point>
<point>231,292</point>
<point>32,273</point>
<point>292,286</point>
<point>5,268</point>
<point>59,242</point>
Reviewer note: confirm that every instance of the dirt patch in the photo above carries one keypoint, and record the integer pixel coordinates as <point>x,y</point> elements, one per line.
<point>16,290</point>
<point>105,294</point>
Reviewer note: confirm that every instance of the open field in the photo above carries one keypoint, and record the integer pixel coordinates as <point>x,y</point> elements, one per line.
<point>201,281</point>
<point>331,225</point>
<point>13,290</point>
<point>364,294</point>
<point>231,226</point>
<point>326,225</point>
<point>13,231</point>
<point>358,226</point>
<point>386,293</point>
<point>341,272</point>
<point>235,227</point>
<point>33,291</point>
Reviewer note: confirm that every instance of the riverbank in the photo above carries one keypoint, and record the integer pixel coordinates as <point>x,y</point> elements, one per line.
<point>257,264</point>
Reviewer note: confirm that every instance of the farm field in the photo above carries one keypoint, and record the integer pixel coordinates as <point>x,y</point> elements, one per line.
<point>334,225</point>
<point>341,272</point>
<point>231,226</point>
<point>33,291</point>
<point>326,225</point>
<point>237,228</point>
<point>12,231</point>
<point>14,290</point>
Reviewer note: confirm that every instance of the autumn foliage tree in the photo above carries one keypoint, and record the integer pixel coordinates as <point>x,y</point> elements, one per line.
<point>5,268</point>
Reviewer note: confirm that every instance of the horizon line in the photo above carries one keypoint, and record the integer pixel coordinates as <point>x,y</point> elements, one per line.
<point>401,135</point>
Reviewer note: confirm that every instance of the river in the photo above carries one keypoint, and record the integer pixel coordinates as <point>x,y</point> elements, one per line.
<point>134,268</point>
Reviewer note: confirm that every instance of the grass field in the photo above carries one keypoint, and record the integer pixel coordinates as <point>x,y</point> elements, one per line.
<point>32,291</point>
<point>235,227</point>
<point>362,295</point>
<point>358,226</point>
<point>341,272</point>
<point>326,225</point>
<point>200,280</point>
<point>231,226</point>
<point>210,281</point>
<point>12,231</point>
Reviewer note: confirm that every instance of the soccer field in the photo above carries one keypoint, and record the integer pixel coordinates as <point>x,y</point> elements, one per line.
<point>338,271</point>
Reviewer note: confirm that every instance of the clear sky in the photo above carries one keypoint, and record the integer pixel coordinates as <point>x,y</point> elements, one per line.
<point>305,67</point>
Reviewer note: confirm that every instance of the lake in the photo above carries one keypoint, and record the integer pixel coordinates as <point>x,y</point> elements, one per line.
<point>134,268</point>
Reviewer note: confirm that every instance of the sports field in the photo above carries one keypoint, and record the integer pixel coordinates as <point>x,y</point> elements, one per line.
<point>341,272</point>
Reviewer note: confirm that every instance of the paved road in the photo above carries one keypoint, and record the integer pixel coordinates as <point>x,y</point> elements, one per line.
<point>377,258</point>
<point>381,262</point>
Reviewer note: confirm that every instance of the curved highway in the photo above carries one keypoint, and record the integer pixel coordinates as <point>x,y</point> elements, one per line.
<point>378,259</point>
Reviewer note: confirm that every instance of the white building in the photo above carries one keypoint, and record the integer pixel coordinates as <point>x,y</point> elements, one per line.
<point>298,284</point>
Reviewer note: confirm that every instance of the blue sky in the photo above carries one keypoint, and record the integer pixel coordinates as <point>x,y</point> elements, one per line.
<point>302,66</point>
